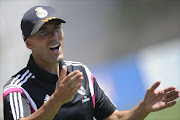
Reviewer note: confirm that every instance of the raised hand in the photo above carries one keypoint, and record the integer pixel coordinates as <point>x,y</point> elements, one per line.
<point>67,86</point>
<point>161,99</point>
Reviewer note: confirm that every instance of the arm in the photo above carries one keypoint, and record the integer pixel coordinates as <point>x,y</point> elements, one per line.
<point>137,113</point>
<point>66,88</point>
<point>153,101</point>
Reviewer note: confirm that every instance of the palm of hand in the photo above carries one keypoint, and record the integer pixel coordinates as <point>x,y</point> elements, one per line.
<point>155,100</point>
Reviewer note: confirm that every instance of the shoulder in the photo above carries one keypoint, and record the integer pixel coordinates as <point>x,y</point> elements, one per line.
<point>73,65</point>
<point>15,83</point>
<point>19,76</point>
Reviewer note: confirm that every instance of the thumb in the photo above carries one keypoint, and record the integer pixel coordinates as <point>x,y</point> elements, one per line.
<point>63,72</point>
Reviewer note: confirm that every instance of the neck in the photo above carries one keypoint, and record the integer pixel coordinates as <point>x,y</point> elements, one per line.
<point>48,66</point>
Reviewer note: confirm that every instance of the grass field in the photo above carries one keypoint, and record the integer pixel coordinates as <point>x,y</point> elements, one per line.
<point>172,113</point>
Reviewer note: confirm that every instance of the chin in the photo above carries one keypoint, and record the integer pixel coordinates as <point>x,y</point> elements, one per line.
<point>56,58</point>
<point>60,57</point>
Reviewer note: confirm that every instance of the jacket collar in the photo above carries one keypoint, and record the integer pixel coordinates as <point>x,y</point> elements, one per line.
<point>41,74</point>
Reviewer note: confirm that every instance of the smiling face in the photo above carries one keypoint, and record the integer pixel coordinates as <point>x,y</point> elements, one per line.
<point>47,43</point>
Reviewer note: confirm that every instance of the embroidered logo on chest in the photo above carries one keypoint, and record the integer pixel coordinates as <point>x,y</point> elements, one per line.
<point>81,91</point>
<point>85,99</point>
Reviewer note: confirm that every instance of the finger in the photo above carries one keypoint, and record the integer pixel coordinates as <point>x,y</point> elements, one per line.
<point>70,75</point>
<point>169,99</point>
<point>76,82</point>
<point>63,72</point>
<point>74,90</point>
<point>70,84</point>
<point>170,104</point>
<point>154,86</point>
<point>169,89</point>
<point>171,93</point>
<point>75,77</point>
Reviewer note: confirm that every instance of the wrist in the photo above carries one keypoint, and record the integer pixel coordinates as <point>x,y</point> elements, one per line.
<point>55,101</point>
<point>143,107</point>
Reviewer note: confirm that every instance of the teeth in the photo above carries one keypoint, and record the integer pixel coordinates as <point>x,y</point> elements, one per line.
<point>54,46</point>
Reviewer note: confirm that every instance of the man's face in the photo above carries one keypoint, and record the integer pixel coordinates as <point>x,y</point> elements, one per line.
<point>47,43</point>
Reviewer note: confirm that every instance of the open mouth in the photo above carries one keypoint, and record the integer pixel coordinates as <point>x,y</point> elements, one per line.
<point>55,48</point>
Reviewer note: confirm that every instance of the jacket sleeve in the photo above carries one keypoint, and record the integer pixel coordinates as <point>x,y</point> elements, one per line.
<point>16,106</point>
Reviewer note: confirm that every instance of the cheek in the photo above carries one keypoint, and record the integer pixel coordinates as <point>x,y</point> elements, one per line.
<point>38,48</point>
<point>61,35</point>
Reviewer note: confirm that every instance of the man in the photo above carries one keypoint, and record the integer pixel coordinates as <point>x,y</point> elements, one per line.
<point>51,88</point>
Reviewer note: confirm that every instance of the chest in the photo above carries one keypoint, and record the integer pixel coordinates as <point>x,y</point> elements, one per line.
<point>80,107</point>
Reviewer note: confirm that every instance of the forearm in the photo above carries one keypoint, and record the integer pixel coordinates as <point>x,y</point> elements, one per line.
<point>137,113</point>
<point>46,112</point>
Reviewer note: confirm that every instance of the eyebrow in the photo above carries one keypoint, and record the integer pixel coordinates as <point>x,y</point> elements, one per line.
<point>42,28</point>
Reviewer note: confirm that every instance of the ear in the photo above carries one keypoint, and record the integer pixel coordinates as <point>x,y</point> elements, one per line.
<point>28,43</point>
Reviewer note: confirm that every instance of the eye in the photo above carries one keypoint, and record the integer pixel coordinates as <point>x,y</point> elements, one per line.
<point>43,31</point>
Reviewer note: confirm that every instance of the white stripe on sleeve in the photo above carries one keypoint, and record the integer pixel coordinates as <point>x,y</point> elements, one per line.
<point>16,105</point>
<point>12,105</point>
<point>20,105</point>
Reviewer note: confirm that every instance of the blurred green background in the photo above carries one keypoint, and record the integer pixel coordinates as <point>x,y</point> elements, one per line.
<point>172,113</point>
